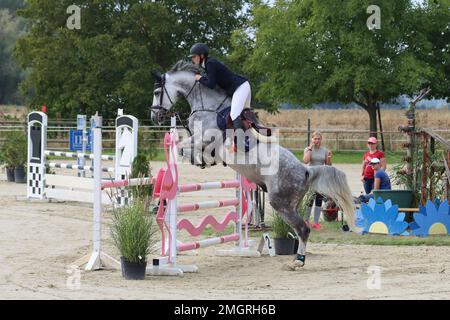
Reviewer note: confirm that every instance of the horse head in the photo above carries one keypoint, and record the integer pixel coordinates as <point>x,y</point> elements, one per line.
<point>165,95</point>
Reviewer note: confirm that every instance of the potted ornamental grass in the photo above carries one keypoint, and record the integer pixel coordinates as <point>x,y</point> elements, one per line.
<point>284,239</point>
<point>14,156</point>
<point>133,234</point>
<point>9,170</point>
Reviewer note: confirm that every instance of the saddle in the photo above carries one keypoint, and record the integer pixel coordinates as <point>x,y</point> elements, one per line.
<point>248,117</point>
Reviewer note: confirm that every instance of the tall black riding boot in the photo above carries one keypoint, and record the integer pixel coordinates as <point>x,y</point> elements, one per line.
<point>237,123</point>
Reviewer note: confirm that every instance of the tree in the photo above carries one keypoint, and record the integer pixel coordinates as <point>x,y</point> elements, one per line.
<point>313,51</point>
<point>11,5</point>
<point>107,63</point>
<point>10,74</point>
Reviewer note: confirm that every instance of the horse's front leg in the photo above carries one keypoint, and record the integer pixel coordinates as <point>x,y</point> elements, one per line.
<point>190,151</point>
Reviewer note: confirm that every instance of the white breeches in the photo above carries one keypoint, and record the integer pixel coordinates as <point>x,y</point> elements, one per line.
<point>242,98</point>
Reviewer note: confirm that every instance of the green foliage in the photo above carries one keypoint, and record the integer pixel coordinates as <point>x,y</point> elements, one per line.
<point>313,51</point>
<point>355,157</point>
<point>11,5</point>
<point>304,204</point>
<point>133,231</point>
<point>148,143</point>
<point>332,233</point>
<point>2,156</point>
<point>14,149</point>
<point>435,177</point>
<point>280,227</point>
<point>141,169</point>
<point>107,64</point>
<point>10,74</point>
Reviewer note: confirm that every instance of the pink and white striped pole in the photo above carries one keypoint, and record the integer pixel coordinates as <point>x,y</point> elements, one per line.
<point>207,242</point>
<point>128,183</point>
<point>209,186</point>
<point>188,207</point>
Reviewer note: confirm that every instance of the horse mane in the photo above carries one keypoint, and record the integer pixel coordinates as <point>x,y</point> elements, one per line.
<point>183,65</point>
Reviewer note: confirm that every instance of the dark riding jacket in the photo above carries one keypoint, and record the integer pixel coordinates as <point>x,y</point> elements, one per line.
<point>219,74</point>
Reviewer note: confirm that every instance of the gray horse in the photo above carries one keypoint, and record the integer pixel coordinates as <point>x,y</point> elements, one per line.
<point>286,187</point>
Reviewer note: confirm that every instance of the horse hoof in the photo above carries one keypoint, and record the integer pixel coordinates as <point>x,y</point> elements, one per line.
<point>293,265</point>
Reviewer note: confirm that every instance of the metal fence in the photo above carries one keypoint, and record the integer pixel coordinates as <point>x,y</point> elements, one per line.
<point>295,139</point>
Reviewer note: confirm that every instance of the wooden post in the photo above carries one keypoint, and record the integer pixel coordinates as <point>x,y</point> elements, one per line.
<point>433,151</point>
<point>448,178</point>
<point>337,141</point>
<point>424,168</point>
<point>308,142</point>
<point>381,127</point>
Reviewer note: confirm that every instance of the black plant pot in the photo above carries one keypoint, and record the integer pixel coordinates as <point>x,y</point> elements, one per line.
<point>20,175</point>
<point>133,270</point>
<point>284,246</point>
<point>10,174</point>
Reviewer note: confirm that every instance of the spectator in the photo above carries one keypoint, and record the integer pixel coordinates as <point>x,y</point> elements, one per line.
<point>316,155</point>
<point>381,179</point>
<point>367,175</point>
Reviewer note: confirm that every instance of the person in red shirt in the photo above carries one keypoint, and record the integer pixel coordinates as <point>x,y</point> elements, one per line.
<point>367,175</point>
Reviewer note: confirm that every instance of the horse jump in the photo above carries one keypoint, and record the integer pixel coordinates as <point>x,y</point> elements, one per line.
<point>99,259</point>
<point>167,190</point>
<point>287,180</point>
<point>45,186</point>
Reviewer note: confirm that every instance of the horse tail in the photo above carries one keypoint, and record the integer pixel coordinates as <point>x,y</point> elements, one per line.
<point>333,183</point>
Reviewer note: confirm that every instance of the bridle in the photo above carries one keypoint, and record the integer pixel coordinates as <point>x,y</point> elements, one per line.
<point>157,109</point>
<point>160,83</point>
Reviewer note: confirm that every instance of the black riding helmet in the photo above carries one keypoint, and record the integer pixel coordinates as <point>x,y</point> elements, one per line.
<point>198,49</point>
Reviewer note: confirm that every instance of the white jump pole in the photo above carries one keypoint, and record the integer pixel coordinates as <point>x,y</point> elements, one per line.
<point>98,259</point>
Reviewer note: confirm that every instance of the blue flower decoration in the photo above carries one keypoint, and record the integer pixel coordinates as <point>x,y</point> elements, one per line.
<point>432,219</point>
<point>382,218</point>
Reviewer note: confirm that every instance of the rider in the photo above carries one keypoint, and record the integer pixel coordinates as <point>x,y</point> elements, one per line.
<point>217,73</point>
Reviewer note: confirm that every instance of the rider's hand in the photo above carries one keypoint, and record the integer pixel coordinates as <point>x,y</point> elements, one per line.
<point>362,178</point>
<point>197,77</point>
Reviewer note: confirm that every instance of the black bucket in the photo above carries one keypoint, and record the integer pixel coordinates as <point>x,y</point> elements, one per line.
<point>133,270</point>
<point>20,175</point>
<point>296,245</point>
<point>10,174</point>
<point>284,246</point>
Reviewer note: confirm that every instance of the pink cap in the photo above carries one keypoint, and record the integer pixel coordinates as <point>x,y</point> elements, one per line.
<point>372,140</point>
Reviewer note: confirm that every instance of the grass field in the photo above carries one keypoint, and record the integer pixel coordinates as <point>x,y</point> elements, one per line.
<point>338,157</point>
<point>331,232</point>
<point>354,119</point>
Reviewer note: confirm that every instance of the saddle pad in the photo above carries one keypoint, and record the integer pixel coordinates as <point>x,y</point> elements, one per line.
<point>222,118</point>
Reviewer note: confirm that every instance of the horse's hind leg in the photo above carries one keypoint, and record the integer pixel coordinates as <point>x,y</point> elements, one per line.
<point>286,203</point>
<point>302,231</point>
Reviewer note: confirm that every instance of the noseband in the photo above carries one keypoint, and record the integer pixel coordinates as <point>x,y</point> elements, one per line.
<point>162,84</point>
